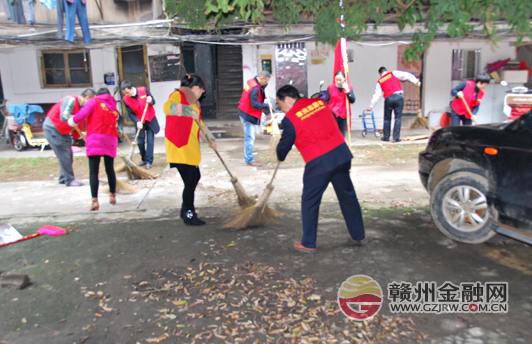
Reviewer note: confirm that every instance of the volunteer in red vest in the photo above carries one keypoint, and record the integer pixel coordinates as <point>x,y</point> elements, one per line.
<point>312,127</point>
<point>102,140</point>
<point>182,134</point>
<point>135,99</point>
<point>335,97</point>
<point>389,84</point>
<point>58,133</point>
<point>472,92</point>
<point>252,102</point>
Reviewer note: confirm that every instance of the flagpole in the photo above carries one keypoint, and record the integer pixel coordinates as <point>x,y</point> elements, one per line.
<point>347,104</point>
<point>343,49</point>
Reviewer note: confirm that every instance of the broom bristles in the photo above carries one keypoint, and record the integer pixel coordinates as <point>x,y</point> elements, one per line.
<point>121,187</point>
<point>134,173</point>
<point>243,198</point>
<point>252,216</point>
<point>274,141</point>
<point>120,168</point>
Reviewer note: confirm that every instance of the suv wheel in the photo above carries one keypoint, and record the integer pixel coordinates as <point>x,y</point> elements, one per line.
<point>459,207</point>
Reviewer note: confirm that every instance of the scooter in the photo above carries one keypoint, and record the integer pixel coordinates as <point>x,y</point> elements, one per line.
<point>517,102</point>
<point>20,133</point>
<point>321,94</point>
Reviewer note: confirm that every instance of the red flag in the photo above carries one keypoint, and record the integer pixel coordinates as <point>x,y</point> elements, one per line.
<point>338,59</point>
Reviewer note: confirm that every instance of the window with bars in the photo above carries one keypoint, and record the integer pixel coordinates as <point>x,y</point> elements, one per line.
<point>66,68</point>
<point>466,64</point>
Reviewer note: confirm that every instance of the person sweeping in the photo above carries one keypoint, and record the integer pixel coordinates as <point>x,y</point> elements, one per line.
<point>182,134</point>
<point>311,126</point>
<point>471,93</point>
<point>101,140</point>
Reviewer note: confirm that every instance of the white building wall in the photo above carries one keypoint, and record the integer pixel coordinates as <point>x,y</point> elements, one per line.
<point>161,90</point>
<point>22,77</point>
<point>438,84</point>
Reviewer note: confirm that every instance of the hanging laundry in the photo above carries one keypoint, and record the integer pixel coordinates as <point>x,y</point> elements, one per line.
<point>15,11</point>
<point>30,8</point>
<point>50,4</point>
<point>60,6</point>
<point>79,8</point>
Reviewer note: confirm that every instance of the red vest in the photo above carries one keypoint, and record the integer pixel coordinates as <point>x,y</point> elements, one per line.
<point>177,129</point>
<point>337,101</point>
<point>137,105</point>
<point>389,84</point>
<point>469,97</point>
<point>317,132</point>
<point>55,116</point>
<point>245,101</point>
<point>102,120</point>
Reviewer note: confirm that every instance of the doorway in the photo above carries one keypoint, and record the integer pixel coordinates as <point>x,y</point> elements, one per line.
<point>132,66</point>
<point>229,78</point>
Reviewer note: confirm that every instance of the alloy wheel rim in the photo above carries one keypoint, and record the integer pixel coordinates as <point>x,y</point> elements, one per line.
<point>465,208</point>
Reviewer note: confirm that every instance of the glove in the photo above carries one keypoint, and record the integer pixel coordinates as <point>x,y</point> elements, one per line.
<point>139,125</point>
<point>71,122</point>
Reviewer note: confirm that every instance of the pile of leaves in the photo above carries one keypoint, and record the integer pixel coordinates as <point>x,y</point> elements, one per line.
<point>251,303</point>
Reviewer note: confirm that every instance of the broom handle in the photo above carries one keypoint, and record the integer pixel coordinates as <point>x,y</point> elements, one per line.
<point>274,173</point>
<point>419,113</point>
<point>468,109</point>
<point>274,122</point>
<point>138,130</point>
<point>210,143</point>
<point>21,239</point>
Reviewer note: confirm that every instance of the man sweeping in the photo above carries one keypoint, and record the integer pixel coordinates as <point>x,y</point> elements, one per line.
<point>311,126</point>
<point>471,93</point>
<point>250,109</point>
<point>389,84</point>
<point>136,99</point>
<point>57,132</point>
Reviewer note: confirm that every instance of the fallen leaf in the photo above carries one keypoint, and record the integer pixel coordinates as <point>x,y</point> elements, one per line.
<point>157,339</point>
<point>127,277</point>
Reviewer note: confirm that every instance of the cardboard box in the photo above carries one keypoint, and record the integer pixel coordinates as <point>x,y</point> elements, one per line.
<point>514,76</point>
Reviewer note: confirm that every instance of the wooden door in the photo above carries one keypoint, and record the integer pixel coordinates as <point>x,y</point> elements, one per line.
<point>132,66</point>
<point>229,80</point>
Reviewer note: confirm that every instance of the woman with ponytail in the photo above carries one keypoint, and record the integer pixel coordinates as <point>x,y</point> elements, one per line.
<point>182,134</point>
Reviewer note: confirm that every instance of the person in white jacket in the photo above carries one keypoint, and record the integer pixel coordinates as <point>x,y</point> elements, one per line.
<point>389,84</point>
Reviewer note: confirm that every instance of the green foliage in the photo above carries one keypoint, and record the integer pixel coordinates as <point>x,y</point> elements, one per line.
<point>458,17</point>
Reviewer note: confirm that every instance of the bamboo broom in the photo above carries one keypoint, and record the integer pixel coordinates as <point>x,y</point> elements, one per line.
<point>276,134</point>
<point>243,198</point>
<point>420,121</point>
<point>257,214</point>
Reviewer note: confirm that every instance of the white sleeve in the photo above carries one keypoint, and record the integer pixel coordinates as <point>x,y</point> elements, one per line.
<point>405,76</point>
<point>376,95</point>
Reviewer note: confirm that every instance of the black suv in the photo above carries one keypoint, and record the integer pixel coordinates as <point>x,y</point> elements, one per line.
<point>480,180</point>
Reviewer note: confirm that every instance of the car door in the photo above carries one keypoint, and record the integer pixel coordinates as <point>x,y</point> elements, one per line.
<point>514,175</point>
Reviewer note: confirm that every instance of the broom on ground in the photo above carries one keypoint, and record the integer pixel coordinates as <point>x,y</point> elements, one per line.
<point>257,214</point>
<point>132,170</point>
<point>243,198</point>
<point>122,166</point>
<point>420,122</point>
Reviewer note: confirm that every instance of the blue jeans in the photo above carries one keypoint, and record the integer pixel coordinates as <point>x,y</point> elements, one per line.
<point>456,119</point>
<point>313,189</point>
<point>393,103</point>
<point>146,153</point>
<point>249,139</point>
<point>71,10</point>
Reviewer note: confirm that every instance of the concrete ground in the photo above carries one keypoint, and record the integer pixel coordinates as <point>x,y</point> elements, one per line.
<point>133,273</point>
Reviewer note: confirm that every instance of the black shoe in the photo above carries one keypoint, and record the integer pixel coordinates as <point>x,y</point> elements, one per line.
<point>383,139</point>
<point>148,166</point>
<point>395,141</point>
<point>142,163</point>
<point>191,219</point>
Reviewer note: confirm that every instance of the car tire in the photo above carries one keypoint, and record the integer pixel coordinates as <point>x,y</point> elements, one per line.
<point>460,209</point>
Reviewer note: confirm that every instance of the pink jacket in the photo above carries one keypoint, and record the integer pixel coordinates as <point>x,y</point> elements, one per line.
<point>98,144</point>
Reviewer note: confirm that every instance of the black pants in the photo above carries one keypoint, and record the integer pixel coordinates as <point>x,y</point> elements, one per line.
<point>191,176</point>
<point>342,124</point>
<point>393,103</point>
<point>94,168</point>
<point>313,189</point>
<point>456,119</point>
